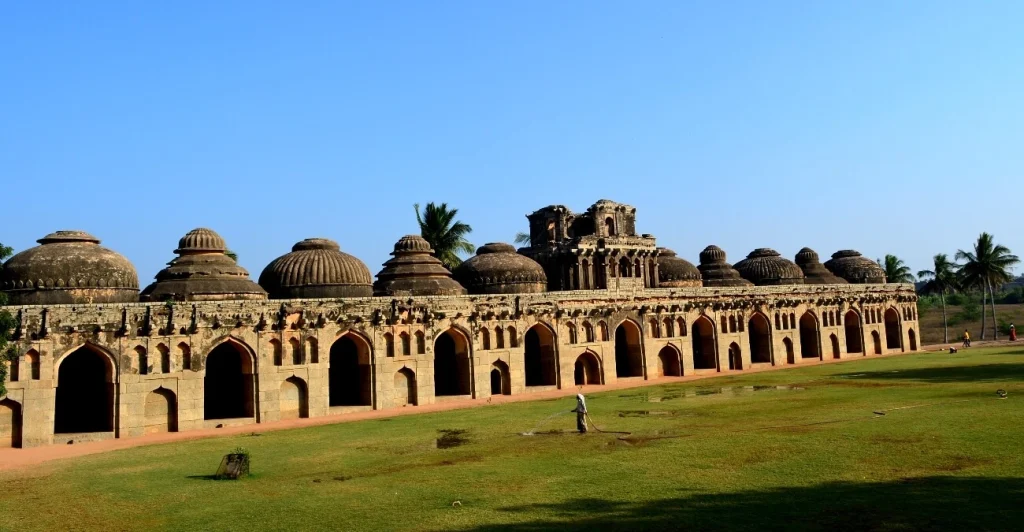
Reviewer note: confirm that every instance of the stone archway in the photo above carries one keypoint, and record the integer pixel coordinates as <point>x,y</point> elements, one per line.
<point>587,369</point>
<point>854,334</point>
<point>913,339</point>
<point>501,380</point>
<point>161,412</point>
<point>539,356</point>
<point>893,334</point>
<point>228,383</point>
<point>735,356</point>
<point>669,363</point>
<point>294,398</point>
<point>809,346</point>
<point>759,333</point>
<point>790,355</point>
<point>10,424</point>
<point>705,353</point>
<point>835,346</point>
<point>451,365</point>
<point>349,377</point>
<point>405,387</point>
<point>628,356</point>
<point>876,339</point>
<point>85,393</point>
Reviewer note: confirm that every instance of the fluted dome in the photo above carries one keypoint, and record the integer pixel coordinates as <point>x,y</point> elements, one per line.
<point>498,269</point>
<point>316,267</point>
<point>675,272</point>
<point>69,267</point>
<point>765,267</point>
<point>814,271</point>
<point>855,268</point>
<point>202,272</point>
<point>413,271</point>
<point>714,271</point>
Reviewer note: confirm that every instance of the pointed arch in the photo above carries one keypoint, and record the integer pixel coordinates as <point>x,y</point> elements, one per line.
<point>913,339</point>
<point>785,321</point>
<point>735,356</point>
<point>540,365</point>
<point>587,369</point>
<point>86,387</point>
<point>835,345</point>
<point>670,363</point>
<point>165,358</point>
<point>485,338</point>
<point>389,344</point>
<point>296,351</point>
<point>893,329</point>
<point>571,329</point>
<point>877,341</point>
<point>405,387</point>
<point>499,338</point>
<point>34,364</point>
<point>161,412</point>
<point>229,380</point>
<point>312,350</point>
<point>10,423</point>
<point>809,336</point>
<point>669,326</point>
<point>603,328</point>
<point>655,328</point>
<point>406,342</point>
<point>294,398</point>
<point>854,332</point>
<point>421,343</point>
<point>732,324</point>
<point>705,351</point>
<point>588,332</point>
<point>628,351</point>
<point>276,352</point>
<point>501,380</point>
<point>681,326</point>
<point>513,339</point>
<point>142,359</point>
<point>451,364</point>
<point>185,354</point>
<point>349,375</point>
<point>760,338</point>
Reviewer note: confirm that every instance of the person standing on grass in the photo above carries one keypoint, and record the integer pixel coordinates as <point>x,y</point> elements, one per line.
<point>581,413</point>
<point>1013,333</point>
<point>967,338</point>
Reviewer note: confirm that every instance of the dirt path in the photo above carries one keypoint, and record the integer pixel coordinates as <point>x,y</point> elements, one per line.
<point>11,459</point>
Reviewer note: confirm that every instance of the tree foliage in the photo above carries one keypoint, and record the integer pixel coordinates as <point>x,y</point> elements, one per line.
<point>446,235</point>
<point>940,280</point>
<point>987,265</point>
<point>522,238</point>
<point>896,271</point>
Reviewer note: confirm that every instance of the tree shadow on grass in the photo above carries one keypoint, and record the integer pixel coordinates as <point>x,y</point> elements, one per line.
<point>925,503</point>
<point>965,374</point>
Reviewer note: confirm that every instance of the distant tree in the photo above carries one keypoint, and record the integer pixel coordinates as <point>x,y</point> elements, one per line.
<point>522,238</point>
<point>940,280</point>
<point>6,327</point>
<point>444,233</point>
<point>895,270</point>
<point>988,265</point>
<point>232,254</point>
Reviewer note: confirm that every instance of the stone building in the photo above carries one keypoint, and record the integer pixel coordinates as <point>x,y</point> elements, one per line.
<point>208,347</point>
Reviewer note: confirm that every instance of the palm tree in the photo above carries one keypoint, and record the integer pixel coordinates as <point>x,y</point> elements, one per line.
<point>446,235</point>
<point>940,280</point>
<point>522,238</point>
<point>895,270</point>
<point>232,255</point>
<point>987,266</point>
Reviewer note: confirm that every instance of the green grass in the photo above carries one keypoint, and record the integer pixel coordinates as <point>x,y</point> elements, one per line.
<point>810,458</point>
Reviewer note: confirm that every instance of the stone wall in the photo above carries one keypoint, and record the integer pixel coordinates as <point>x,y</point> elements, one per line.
<point>154,357</point>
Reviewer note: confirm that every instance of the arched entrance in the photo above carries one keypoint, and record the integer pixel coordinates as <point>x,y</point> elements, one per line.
<point>669,364</point>
<point>704,352</point>
<point>451,365</point>
<point>628,358</point>
<point>893,336</point>
<point>85,393</point>
<point>735,356</point>
<point>790,356</point>
<point>877,340</point>
<point>161,412</point>
<point>349,376</point>
<point>759,333</point>
<point>539,356</point>
<point>405,387</point>
<point>228,384</point>
<point>913,339</point>
<point>835,346</point>
<point>294,399</point>
<point>10,424</point>
<point>587,369</point>
<point>501,381</point>
<point>809,347</point>
<point>851,323</point>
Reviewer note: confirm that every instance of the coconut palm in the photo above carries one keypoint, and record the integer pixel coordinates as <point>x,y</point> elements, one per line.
<point>232,255</point>
<point>522,238</point>
<point>896,271</point>
<point>446,235</point>
<point>941,280</point>
<point>988,265</point>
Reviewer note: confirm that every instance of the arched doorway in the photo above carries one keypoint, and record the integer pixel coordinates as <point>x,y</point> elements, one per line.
<point>809,347</point>
<point>669,364</point>
<point>851,324</point>
<point>294,399</point>
<point>10,424</point>
<point>835,346</point>
<point>85,393</point>
<point>349,377</point>
<point>760,336</point>
<point>405,387</point>
<point>539,356</point>
<point>735,356</point>
<point>587,369</point>
<point>893,336</point>
<point>501,380</point>
<point>913,339</point>
<point>705,355</point>
<point>228,384</point>
<point>877,340</point>
<point>161,412</point>
<point>790,356</point>
<point>451,365</point>
<point>628,357</point>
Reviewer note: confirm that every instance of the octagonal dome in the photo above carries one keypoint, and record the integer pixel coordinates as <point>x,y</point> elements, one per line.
<point>855,268</point>
<point>814,271</point>
<point>413,271</point>
<point>765,266</point>
<point>498,269</point>
<point>316,268</point>
<point>676,272</point>
<point>202,272</point>
<point>716,272</point>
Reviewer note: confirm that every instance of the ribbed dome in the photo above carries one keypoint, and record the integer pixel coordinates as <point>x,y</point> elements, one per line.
<point>201,240</point>
<point>69,267</point>
<point>498,269</point>
<point>814,271</point>
<point>202,272</point>
<point>714,271</point>
<point>316,268</point>
<point>413,271</point>
<point>855,268</point>
<point>675,272</point>
<point>765,266</point>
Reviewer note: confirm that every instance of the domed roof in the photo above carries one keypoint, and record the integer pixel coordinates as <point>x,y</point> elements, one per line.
<point>498,269</point>
<point>202,272</point>
<point>855,268</point>
<point>675,272</point>
<point>714,271</point>
<point>814,271</point>
<point>316,267</point>
<point>413,271</point>
<point>765,266</point>
<point>69,267</point>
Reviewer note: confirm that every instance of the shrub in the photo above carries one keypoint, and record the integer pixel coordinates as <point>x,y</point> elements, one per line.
<point>955,299</point>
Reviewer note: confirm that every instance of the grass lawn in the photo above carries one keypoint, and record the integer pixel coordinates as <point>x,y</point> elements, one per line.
<point>803,449</point>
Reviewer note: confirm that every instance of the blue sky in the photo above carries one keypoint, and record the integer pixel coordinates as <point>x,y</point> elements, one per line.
<point>887,127</point>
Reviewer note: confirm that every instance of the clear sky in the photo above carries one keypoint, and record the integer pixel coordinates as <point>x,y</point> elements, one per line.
<point>887,127</point>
